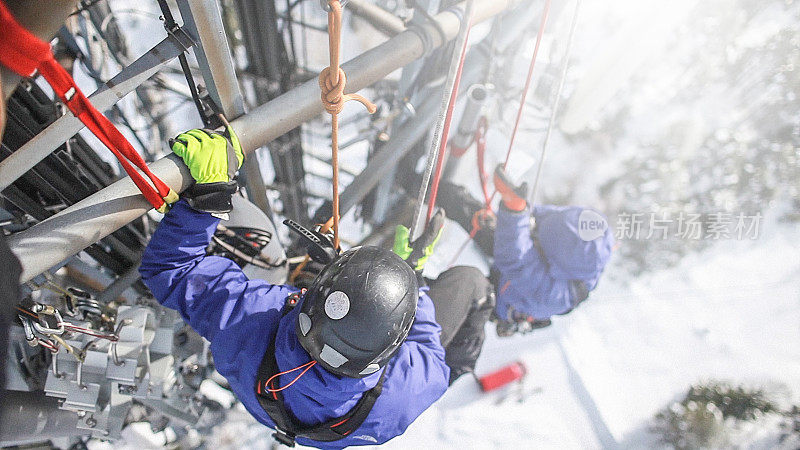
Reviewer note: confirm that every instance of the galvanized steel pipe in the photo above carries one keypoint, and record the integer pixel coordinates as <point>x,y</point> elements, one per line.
<point>476,98</point>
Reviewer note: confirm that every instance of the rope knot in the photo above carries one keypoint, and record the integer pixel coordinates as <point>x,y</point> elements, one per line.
<point>332,86</point>
<point>332,90</point>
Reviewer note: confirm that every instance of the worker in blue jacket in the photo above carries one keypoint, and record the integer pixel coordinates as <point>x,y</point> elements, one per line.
<point>546,260</point>
<point>352,361</point>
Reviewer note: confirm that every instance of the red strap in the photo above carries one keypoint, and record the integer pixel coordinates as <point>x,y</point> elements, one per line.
<point>20,50</point>
<point>64,86</point>
<point>482,146</point>
<point>23,53</point>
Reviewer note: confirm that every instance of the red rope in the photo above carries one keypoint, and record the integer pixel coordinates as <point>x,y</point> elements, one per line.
<point>528,81</point>
<point>480,140</point>
<point>437,177</point>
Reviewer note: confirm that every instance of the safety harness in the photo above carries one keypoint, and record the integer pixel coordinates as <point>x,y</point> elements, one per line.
<point>287,426</point>
<point>23,53</point>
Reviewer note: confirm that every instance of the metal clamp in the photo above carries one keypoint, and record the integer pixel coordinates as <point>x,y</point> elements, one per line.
<point>114,343</point>
<point>327,7</point>
<point>57,374</point>
<point>81,359</point>
<point>79,374</point>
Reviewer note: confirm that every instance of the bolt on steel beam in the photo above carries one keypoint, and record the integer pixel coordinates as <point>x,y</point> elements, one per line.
<point>70,231</point>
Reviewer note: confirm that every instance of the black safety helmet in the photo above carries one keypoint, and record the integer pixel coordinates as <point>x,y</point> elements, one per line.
<point>358,311</point>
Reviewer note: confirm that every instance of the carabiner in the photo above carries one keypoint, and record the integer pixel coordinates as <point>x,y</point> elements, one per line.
<point>50,311</point>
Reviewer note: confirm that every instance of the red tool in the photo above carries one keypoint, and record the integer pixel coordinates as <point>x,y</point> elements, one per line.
<point>504,376</point>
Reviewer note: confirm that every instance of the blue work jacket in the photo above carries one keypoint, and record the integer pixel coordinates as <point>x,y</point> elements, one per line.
<point>539,270</point>
<point>240,317</point>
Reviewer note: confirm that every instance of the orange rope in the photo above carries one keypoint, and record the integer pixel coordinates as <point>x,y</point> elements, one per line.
<point>332,83</point>
<point>25,311</point>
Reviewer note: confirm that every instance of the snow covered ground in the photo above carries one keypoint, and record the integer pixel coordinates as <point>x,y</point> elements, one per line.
<point>597,376</point>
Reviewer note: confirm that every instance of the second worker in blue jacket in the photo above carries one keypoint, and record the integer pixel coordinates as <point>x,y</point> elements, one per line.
<point>547,259</point>
<point>352,361</point>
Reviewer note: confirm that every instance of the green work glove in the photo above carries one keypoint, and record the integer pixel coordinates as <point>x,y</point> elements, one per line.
<point>213,159</point>
<point>416,253</point>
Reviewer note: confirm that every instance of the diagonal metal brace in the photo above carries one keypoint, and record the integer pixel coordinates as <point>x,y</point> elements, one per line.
<point>131,77</point>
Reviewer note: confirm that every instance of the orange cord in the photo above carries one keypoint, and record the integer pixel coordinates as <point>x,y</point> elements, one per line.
<point>25,311</point>
<point>305,366</point>
<point>332,83</point>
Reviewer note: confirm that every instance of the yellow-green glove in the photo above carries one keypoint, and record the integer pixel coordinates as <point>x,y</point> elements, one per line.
<point>213,159</point>
<point>416,253</point>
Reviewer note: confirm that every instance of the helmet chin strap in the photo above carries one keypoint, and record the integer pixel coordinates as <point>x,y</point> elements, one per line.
<point>306,367</point>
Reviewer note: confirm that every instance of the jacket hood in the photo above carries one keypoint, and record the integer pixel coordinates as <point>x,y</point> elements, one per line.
<point>317,385</point>
<point>564,243</point>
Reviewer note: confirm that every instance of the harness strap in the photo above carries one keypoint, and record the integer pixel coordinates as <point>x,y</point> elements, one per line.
<point>287,426</point>
<point>24,53</point>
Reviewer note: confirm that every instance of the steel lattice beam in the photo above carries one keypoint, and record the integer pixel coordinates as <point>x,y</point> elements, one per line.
<point>70,231</point>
